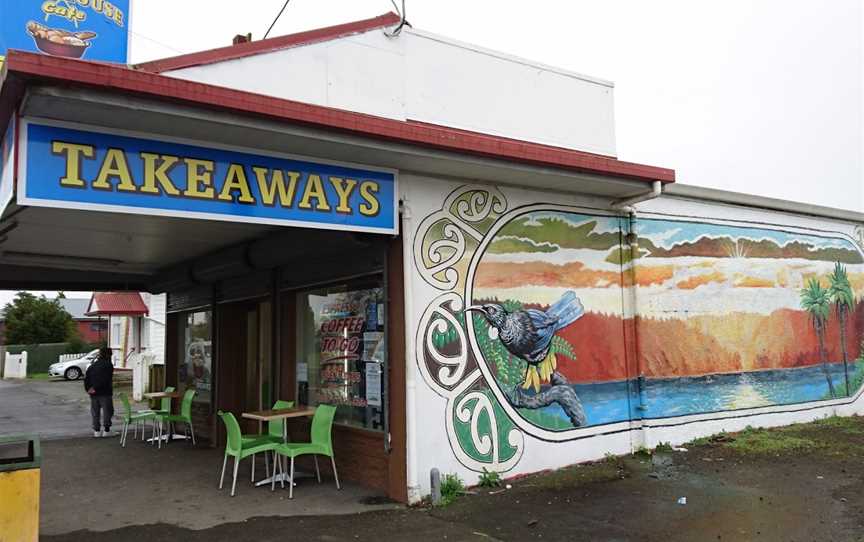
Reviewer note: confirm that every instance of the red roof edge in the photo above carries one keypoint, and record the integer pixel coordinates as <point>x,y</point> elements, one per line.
<point>117,304</point>
<point>251,48</point>
<point>24,68</point>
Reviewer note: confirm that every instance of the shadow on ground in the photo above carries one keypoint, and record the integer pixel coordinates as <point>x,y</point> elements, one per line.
<point>801,483</point>
<point>97,485</point>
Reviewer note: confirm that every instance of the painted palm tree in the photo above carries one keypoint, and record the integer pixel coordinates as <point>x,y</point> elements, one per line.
<point>816,301</point>
<point>841,295</point>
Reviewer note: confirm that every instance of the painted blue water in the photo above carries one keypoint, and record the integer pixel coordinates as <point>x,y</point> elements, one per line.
<point>611,402</point>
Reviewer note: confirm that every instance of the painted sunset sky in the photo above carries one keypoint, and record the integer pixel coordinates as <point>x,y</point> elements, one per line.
<point>712,297</point>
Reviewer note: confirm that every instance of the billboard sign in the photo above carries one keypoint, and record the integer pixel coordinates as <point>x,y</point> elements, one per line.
<point>70,166</point>
<point>88,29</point>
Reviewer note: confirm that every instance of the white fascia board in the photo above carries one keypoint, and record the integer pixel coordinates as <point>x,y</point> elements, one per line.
<point>685,191</point>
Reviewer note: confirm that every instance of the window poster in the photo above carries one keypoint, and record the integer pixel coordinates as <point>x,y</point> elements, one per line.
<point>343,348</point>
<point>195,370</point>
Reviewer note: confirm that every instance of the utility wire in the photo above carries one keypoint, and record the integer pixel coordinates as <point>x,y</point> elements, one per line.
<point>398,11</point>
<point>165,45</point>
<point>285,5</point>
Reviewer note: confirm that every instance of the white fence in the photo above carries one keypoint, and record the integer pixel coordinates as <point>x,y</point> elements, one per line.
<point>15,365</point>
<point>69,357</point>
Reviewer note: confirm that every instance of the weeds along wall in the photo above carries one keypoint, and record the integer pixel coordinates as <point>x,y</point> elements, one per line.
<point>546,329</point>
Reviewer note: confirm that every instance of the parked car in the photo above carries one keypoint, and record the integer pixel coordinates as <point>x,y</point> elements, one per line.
<point>75,368</point>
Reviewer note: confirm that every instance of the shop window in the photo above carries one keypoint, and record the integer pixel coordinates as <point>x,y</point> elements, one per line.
<point>98,327</point>
<point>144,340</point>
<point>116,333</point>
<point>342,351</point>
<point>195,359</point>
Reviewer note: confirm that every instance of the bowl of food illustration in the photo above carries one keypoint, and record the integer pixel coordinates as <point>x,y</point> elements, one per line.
<point>59,42</point>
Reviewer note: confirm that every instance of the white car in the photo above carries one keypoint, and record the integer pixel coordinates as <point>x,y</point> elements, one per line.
<point>75,368</point>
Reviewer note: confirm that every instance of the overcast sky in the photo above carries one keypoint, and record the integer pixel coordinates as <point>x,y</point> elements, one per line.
<point>759,96</point>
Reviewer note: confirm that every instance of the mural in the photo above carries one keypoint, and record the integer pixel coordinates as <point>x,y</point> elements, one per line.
<point>553,321</point>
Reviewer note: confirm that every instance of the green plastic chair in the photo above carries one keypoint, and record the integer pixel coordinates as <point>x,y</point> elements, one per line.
<point>165,403</point>
<point>321,444</point>
<point>137,418</point>
<point>275,433</point>
<point>184,417</point>
<point>239,448</point>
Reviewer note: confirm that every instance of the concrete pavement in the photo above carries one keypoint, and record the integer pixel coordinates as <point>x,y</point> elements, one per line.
<point>50,408</point>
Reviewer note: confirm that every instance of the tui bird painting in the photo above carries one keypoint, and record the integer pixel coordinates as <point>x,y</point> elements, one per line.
<point>527,334</point>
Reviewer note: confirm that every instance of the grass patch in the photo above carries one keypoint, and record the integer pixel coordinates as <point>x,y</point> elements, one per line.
<point>847,424</point>
<point>39,376</point>
<point>578,475</point>
<point>771,442</point>
<point>664,447</point>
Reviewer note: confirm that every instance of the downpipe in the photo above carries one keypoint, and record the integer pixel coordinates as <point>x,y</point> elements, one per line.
<point>411,467</point>
<point>626,204</point>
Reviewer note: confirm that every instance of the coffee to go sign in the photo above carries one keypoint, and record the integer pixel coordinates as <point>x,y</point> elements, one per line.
<point>70,167</point>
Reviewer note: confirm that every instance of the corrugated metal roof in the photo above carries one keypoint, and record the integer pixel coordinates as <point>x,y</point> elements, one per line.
<point>77,308</point>
<point>117,303</point>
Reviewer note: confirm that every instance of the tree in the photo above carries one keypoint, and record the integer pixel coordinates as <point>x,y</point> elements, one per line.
<point>843,298</point>
<point>815,300</point>
<point>36,320</point>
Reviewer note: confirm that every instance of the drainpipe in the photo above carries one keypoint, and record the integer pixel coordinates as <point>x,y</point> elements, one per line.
<point>626,204</point>
<point>410,346</point>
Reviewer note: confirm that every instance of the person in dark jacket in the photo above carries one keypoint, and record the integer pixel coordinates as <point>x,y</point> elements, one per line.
<point>98,381</point>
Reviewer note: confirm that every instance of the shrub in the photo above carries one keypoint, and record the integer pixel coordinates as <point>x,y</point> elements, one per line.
<point>489,479</point>
<point>451,487</point>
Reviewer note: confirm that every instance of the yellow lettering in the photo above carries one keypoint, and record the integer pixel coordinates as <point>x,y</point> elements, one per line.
<point>277,184</point>
<point>314,189</point>
<point>199,173</point>
<point>371,207</point>
<point>158,174</point>
<point>235,180</point>
<point>115,166</point>
<point>344,188</point>
<point>73,154</point>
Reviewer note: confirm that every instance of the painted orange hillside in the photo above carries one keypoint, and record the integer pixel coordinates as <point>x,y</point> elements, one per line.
<point>569,275</point>
<point>701,345</point>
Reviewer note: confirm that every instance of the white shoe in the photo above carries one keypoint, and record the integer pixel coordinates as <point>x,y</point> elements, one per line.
<point>97,434</point>
<point>110,434</point>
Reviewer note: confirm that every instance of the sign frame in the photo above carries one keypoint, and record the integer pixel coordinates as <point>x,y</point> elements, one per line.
<point>11,38</point>
<point>24,200</point>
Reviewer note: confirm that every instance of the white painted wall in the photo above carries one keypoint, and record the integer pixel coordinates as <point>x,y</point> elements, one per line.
<point>431,405</point>
<point>156,327</point>
<point>422,77</point>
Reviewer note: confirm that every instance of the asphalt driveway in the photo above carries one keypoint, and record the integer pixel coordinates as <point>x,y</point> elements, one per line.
<point>50,408</point>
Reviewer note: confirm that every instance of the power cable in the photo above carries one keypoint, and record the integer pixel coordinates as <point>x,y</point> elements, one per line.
<point>165,45</point>
<point>402,23</point>
<point>285,5</point>
<point>396,7</point>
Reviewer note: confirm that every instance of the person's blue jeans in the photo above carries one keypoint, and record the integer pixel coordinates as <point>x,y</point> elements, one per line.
<point>101,404</point>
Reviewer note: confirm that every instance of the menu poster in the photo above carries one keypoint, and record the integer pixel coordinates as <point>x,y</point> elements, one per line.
<point>341,337</point>
<point>373,346</point>
<point>373,384</point>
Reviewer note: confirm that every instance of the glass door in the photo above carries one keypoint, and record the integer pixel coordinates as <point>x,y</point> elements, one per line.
<point>258,367</point>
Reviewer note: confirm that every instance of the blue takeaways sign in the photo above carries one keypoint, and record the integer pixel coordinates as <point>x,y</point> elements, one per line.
<point>88,29</point>
<point>71,167</point>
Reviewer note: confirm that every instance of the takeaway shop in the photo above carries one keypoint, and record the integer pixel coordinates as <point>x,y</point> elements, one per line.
<point>309,254</point>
